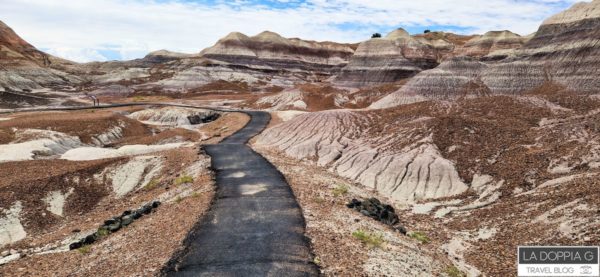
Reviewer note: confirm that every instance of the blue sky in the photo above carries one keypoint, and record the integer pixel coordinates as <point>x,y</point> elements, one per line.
<point>99,30</point>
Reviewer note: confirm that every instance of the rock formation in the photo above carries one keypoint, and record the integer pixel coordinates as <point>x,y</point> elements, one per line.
<point>389,59</point>
<point>493,44</point>
<point>405,166</point>
<point>563,51</point>
<point>270,51</point>
<point>22,66</point>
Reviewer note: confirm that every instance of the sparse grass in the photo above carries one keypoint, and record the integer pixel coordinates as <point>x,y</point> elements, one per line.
<point>184,179</point>
<point>319,200</point>
<point>85,249</point>
<point>195,194</point>
<point>103,232</point>
<point>152,184</point>
<point>453,271</point>
<point>340,190</point>
<point>138,98</point>
<point>420,236</point>
<point>178,199</point>
<point>317,261</point>
<point>370,239</point>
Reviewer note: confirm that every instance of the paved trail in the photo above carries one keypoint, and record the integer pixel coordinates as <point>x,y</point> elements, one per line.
<point>255,226</point>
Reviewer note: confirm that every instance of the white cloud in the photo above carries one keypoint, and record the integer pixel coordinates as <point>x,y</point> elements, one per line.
<point>76,54</point>
<point>81,29</point>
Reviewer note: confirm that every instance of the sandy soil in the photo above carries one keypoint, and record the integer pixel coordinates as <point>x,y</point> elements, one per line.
<point>141,249</point>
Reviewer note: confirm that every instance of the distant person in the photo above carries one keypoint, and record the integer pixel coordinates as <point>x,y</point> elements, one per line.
<point>95,99</point>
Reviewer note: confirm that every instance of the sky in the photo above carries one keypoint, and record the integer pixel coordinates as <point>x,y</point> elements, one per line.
<point>101,30</point>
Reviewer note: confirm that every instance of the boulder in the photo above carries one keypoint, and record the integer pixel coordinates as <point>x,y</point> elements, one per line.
<point>375,209</point>
<point>126,220</point>
<point>137,214</point>
<point>75,245</point>
<point>89,239</point>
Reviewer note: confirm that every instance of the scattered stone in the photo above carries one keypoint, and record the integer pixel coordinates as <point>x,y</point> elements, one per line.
<point>75,245</point>
<point>126,220</point>
<point>114,227</point>
<point>136,215</point>
<point>75,231</point>
<point>197,119</point>
<point>115,224</point>
<point>4,253</point>
<point>89,239</point>
<point>146,209</point>
<point>375,209</point>
<point>401,229</point>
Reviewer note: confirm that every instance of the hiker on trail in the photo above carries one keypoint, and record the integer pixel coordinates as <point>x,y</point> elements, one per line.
<point>95,99</point>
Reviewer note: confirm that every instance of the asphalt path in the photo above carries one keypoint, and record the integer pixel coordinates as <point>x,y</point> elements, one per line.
<point>255,226</point>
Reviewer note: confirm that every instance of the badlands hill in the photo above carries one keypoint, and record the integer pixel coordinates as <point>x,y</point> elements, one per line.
<point>564,51</point>
<point>22,66</point>
<point>270,50</point>
<point>480,143</point>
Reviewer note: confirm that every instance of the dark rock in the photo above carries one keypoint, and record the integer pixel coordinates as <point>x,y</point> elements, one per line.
<point>353,203</point>
<point>75,231</point>
<point>89,239</point>
<point>197,119</point>
<point>375,201</point>
<point>155,204</point>
<point>126,220</point>
<point>128,212</point>
<point>401,229</point>
<point>114,227</point>
<point>146,209</point>
<point>136,215</point>
<point>75,245</point>
<point>109,222</point>
<point>375,209</point>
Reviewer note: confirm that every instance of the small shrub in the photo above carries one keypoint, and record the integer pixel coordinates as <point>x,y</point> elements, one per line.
<point>420,236</point>
<point>376,35</point>
<point>85,249</point>
<point>103,232</point>
<point>152,184</point>
<point>340,190</point>
<point>453,271</point>
<point>427,31</point>
<point>317,261</point>
<point>373,240</point>
<point>319,200</point>
<point>138,98</point>
<point>195,194</point>
<point>184,179</point>
<point>178,199</point>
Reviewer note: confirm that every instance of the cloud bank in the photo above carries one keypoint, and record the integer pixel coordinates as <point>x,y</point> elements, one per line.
<point>98,30</point>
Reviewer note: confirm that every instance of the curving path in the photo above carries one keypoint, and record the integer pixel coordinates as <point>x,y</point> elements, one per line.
<point>254,227</point>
